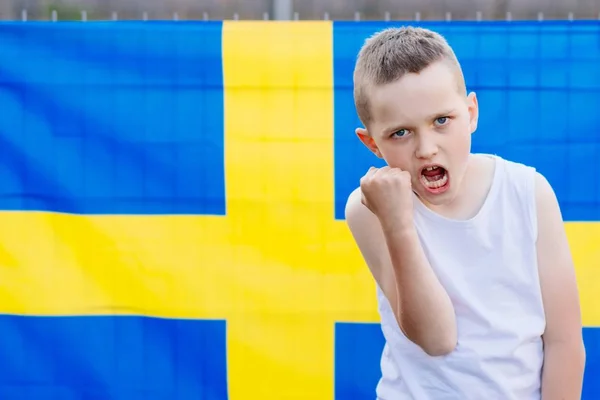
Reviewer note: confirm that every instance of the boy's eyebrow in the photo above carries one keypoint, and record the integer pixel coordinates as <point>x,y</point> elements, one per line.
<point>441,114</point>
<point>397,127</point>
<point>394,128</point>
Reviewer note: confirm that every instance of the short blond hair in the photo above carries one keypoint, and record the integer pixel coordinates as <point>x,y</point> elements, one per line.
<point>390,54</point>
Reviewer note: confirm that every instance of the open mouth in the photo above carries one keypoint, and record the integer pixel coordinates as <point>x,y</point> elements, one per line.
<point>434,178</point>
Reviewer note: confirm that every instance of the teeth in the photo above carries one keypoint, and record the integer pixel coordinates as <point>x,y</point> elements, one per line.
<point>435,184</point>
<point>430,168</point>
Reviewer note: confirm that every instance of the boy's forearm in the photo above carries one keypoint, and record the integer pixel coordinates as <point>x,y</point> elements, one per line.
<point>425,313</point>
<point>562,376</point>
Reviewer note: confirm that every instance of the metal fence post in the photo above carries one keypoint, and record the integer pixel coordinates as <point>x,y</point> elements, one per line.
<point>283,10</point>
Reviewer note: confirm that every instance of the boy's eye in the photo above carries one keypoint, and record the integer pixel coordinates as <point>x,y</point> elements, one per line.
<point>399,133</point>
<point>441,120</point>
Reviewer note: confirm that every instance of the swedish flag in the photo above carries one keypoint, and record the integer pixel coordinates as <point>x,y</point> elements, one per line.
<point>173,196</point>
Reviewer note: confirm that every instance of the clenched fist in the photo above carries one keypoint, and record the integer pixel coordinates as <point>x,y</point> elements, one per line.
<point>387,192</point>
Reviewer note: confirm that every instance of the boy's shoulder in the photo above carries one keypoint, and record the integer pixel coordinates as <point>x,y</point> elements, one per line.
<point>510,165</point>
<point>518,171</point>
<point>530,185</point>
<point>518,175</point>
<point>355,212</point>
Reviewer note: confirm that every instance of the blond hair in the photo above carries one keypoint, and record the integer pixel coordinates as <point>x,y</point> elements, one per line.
<point>390,54</point>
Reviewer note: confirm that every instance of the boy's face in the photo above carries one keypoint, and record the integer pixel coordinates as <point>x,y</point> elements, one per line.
<point>422,121</point>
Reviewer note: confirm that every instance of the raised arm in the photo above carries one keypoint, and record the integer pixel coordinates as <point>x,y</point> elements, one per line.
<point>392,251</point>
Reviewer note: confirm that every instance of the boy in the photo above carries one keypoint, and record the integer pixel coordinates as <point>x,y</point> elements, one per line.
<point>475,282</point>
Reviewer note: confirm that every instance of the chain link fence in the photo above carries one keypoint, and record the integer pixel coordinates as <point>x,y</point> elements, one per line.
<point>299,9</point>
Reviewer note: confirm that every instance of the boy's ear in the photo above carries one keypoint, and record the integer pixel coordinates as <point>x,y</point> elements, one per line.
<point>473,111</point>
<point>368,141</point>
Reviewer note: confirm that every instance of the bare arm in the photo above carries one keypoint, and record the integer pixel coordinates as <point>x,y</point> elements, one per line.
<point>396,259</point>
<point>564,353</point>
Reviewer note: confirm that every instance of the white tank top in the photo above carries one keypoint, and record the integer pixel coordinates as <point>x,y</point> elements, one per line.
<point>488,265</point>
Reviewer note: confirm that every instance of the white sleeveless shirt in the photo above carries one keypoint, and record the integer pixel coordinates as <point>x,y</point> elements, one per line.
<point>488,266</point>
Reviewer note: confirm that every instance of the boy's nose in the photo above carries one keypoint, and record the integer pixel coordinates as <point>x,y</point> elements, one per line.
<point>426,149</point>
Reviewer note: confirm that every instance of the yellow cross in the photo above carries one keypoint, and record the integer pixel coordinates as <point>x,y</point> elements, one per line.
<point>298,268</point>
